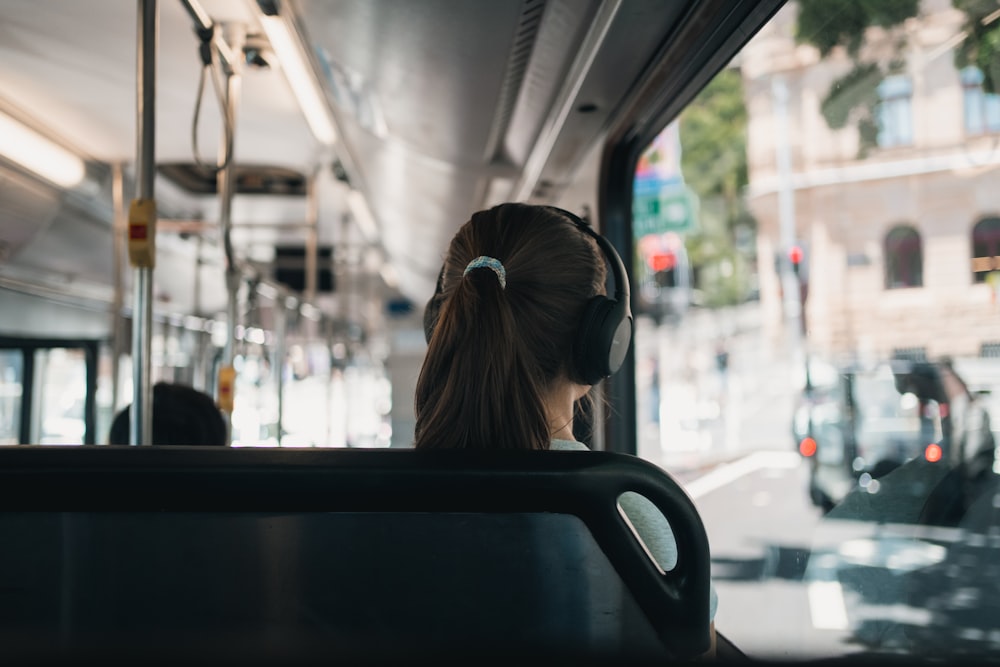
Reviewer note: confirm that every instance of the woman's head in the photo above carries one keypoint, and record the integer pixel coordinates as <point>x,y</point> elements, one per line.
<point>497,351</point>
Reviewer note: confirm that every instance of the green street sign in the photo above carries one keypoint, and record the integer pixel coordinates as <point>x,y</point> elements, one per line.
<point>673,209</point>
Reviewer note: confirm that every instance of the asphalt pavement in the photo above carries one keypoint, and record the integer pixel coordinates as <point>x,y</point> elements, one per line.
<point>792,583</point>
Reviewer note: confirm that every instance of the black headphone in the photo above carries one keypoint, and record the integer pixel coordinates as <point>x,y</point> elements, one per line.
<point>606,326</point>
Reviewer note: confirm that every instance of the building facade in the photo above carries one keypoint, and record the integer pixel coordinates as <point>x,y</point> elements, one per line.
<point>901,238</point>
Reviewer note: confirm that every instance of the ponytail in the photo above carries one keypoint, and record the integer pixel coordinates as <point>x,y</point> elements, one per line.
<point>512,292</point>
<point>479,387</point>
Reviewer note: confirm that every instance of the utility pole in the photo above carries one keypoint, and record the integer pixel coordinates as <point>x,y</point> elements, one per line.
<point>792,305</point>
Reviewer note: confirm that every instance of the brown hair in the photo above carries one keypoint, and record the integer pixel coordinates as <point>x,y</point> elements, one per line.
<point>495,352</point>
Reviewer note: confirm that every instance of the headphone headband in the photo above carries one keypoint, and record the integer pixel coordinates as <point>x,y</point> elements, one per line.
<point>622,292</point>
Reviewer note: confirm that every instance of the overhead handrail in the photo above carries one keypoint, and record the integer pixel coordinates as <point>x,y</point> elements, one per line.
<point>211,42</point>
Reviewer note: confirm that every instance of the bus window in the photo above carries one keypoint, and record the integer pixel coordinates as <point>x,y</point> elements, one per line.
<point>11,387</point>
<point>827,192</point>
<point>60,389</point>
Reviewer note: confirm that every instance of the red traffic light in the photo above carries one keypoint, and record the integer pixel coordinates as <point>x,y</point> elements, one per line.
<point>661,261</point>
<point>795,254</point>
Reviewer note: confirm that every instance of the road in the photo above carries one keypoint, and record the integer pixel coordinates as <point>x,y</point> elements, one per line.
<point>793,584</point>
<point>761,526</point>
<point>728,440</point>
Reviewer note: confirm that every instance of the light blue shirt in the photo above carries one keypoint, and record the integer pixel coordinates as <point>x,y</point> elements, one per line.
<point>649,523</point>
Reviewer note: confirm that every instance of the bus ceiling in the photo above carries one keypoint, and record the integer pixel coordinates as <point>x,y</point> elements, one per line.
<point>435,108</point>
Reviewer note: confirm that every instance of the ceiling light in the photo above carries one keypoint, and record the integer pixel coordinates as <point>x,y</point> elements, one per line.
<point>42,156</point>
<point>295,65</point>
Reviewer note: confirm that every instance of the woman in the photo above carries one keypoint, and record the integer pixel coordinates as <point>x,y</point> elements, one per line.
<point>518,332</point>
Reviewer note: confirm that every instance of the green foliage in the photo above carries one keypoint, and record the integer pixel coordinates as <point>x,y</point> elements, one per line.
<point>981,47</point>
<point>714,162</point>
<point>829,23</point>
<point>713,138</point>
<point>857,88</point>
<point>826,24</point>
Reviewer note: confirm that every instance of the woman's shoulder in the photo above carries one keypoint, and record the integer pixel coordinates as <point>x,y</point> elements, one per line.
<point>567,446</point>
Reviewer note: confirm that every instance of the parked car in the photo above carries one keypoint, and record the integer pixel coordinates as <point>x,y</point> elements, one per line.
<point>874,419</point>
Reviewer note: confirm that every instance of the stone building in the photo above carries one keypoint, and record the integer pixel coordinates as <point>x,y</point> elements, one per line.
<point>900,238</point>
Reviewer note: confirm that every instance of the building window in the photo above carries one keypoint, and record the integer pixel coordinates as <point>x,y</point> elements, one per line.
<point>982,109</point>
<point>985,248</point>
<point>904,261</point>
<point>895,117</point>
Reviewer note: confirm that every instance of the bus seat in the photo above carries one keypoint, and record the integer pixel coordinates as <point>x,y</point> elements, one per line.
<point>358,554</point>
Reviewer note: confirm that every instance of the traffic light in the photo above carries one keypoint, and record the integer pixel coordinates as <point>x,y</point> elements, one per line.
<point>795,257</point>
<point>663,264</point>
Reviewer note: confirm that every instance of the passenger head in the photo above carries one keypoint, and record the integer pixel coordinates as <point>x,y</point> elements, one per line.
<point>181,416</point>
<point>498,352</point>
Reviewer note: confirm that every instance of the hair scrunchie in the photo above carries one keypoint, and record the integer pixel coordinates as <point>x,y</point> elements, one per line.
<point>484,262</point>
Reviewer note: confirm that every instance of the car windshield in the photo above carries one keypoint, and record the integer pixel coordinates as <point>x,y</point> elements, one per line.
<point>818,258</point>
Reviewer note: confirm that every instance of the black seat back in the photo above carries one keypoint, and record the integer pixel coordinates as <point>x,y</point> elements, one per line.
<point>359,553</point>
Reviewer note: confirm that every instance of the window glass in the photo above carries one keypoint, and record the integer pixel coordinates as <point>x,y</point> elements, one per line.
<point>982,109</point>
<point>60,390</point>
<point>11,388</point>
<point>837,434</point>
<point>895,117</point>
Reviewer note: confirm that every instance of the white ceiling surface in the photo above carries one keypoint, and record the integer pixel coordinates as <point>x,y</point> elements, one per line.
<point>434,72</point>
<point>71,65</point>
<point>68,68</point>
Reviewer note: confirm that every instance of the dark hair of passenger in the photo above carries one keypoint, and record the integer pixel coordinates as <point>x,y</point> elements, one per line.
<point>496,351</point>
<point>181,416</point>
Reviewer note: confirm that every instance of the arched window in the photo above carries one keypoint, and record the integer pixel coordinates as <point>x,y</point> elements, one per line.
<point>985,248</point>
<point>904,258</point>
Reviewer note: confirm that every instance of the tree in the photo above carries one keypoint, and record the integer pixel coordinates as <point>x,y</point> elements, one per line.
<point>981,46</point>
<point>714,162</point>
<point>827,24</point>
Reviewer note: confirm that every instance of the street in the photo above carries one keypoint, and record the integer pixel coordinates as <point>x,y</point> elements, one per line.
<point>792,583</point>
<point>760,526</point>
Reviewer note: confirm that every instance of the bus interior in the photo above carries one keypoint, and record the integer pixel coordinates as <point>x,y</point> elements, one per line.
<point>254,198</point>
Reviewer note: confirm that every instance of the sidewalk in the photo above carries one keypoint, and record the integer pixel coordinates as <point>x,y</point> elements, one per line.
<point>690,415</point>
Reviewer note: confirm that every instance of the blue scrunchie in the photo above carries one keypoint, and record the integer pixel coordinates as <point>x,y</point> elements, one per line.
<point>484,262</point>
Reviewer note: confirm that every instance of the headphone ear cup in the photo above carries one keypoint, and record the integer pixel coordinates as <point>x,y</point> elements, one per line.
<point>593,342</point>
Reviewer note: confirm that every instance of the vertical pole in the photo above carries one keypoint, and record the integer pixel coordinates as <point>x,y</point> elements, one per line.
<point>141,422</point>
<point>27,395</point>
<point>196,300</point>
<point>91,353</point>
<point>117,263</point>
<point>312,239</point>
<point>792,286</point>
<point>280,332</point>
<point>234,35</point>
<point>786,201</point>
